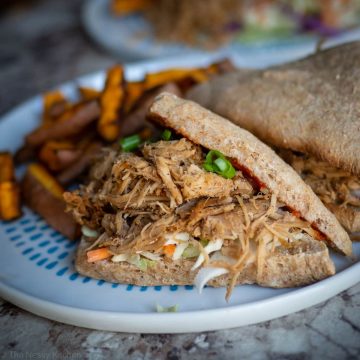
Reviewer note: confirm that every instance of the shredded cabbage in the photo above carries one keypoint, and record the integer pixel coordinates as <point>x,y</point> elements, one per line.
<point>179,251</point>
<point>120,257</point>
<point>212,246</point>
<point>138,262</point>
<point>180,240</point>
<point>171,242</point>
<point>205,275</point>
<point>182,236</point>
<point>149,263</point>
<point>86,231</point>
<point>190,252</point>
<point>176,238</point>
<point>150,255</point>
<point>135,260</point>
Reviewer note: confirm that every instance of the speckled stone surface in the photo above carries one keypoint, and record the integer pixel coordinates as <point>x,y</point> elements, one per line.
<point>44,45</point>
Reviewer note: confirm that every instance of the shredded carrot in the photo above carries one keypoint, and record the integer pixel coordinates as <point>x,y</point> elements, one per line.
<point>169,249</point>
<point>98,254</point>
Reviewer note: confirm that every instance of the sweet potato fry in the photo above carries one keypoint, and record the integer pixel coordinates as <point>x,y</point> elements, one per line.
<point>58,113</point>
<point>69,112</point>
<point>9,200</point>
<point>88,94</point>
<point>54,103</point>
<point>84,114</point>
<point>24,154</point>
<point>174,75</point>
<point>133,92</point>
<point>57,155</point>
<point>136,120</point>
<point>186,78</point>
<point>6,167</point>
<point>80,165</point>
<point>9,190</point>
<point>111,101</point>
<point>67,156</point>
<point>43,194</point>
<point>47,181</point>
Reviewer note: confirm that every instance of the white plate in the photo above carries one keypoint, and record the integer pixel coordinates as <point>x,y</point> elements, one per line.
<point>131,37</point>
<point>37,273</point>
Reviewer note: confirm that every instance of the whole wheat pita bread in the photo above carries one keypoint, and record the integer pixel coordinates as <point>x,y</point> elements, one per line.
<point>281,269</point>
<point>214,132</point>
<point>311,105</point>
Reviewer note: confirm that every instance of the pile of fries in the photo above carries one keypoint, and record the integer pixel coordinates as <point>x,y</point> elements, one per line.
<point>70,134</point>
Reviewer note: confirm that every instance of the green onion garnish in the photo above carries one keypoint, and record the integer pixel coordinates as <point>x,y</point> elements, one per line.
<point>221,164</point>
<point>216,162</point>
<point>163,309</point>
<point>130,143</point>
<point>166,135</point>
<point>208,167</point>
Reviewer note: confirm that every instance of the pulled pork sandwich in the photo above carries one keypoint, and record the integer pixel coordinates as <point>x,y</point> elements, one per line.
<point>309,106</point>
<point>209,203</point>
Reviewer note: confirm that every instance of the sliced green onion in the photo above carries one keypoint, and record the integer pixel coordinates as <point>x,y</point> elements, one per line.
<point>166,135</point>
<point>163,309</point>
<point>222,164</point>
<point>214,154</point>
<point>130,143</point>
<point>208,167</point>
<point>216,162</point>
<point>230,173</point>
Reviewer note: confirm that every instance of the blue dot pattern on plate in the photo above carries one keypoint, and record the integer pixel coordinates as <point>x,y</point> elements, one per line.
<point>47,249</point>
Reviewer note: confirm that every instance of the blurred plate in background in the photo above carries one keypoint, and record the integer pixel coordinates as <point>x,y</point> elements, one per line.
<point>131,38</point>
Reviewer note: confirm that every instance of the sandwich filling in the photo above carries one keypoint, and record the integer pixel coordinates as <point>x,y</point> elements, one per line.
<point>161,203</point>
<point>331,184</point>
<point>338,189</point>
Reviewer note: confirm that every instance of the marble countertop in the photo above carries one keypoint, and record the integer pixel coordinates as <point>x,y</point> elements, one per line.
<point>44,45</point>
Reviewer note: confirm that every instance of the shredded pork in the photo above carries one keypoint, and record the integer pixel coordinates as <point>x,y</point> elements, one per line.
<point>134,199</point>
<point>332,185</point>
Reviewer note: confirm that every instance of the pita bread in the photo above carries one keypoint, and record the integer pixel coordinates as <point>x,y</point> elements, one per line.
<point>214,132</point>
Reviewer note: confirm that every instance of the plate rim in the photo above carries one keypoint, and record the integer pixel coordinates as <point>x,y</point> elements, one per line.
<point>201,320</point>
